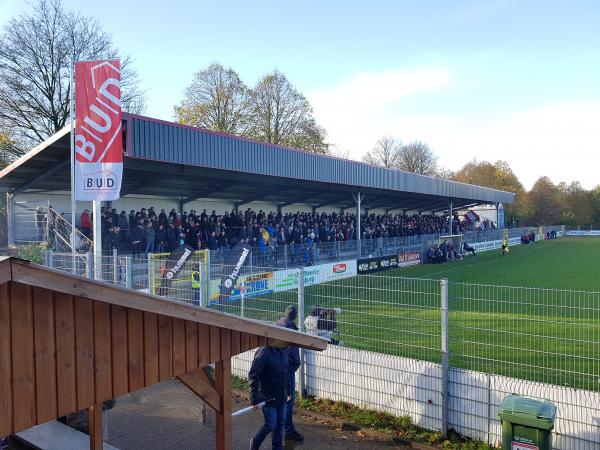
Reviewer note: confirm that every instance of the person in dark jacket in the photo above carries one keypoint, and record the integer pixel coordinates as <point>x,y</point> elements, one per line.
<point>268,378</point>
<point>137,238</point>
<point>160,241</point>
<point>288,321</point>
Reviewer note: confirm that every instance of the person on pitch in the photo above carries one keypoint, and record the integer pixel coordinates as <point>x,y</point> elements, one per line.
<point>268,377</point>
<point>288,321</point>
<point>505,249</point>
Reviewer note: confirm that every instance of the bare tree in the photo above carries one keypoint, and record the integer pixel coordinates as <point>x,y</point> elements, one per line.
<point>338,152</point>
<point>417,157</point>
<point>216,99</point>
<point>386,153</point>
<point>280,114</point>
<point>36,52</point>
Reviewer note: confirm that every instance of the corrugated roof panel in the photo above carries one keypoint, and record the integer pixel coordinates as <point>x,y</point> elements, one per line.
<point>168,142</point>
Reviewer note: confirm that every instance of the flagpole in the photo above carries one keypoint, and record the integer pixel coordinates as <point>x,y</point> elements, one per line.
<point>73,203</point>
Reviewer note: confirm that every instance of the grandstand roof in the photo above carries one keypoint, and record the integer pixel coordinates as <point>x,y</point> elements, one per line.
<point>168,159</point>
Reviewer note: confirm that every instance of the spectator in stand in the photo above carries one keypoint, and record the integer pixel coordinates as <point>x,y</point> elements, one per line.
<point>86,223</point>
<point>212,241</point>
<point>160,242</point>
<point>138,238</point>
<point>467,248</point>
<point>113,241</point>
<point>123,226</point>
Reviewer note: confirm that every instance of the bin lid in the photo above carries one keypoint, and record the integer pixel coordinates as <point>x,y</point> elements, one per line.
<point>528,411</point>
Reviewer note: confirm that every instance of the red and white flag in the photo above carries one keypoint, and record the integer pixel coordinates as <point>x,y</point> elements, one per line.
<point>98,139</point>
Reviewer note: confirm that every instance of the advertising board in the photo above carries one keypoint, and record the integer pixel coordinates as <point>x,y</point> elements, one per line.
<point>379,263</point>
<point>284,280</point>
<point>583,233</point>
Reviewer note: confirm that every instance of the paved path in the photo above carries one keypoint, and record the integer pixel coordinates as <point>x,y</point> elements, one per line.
<point>168,416</point>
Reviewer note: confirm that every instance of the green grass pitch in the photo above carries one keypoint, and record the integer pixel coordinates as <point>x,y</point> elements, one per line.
<point>499,320</point>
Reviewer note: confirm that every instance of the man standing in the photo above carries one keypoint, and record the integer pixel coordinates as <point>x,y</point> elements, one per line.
<point>288,321</point>
<point>268,383</point>
<point>86,223</point>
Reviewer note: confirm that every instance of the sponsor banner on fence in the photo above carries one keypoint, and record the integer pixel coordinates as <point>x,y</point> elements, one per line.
<point>491,245</point>
<point>583,233</point>
<point>404,259</point>
<point>231,270</point>
<point>285,280</point>
<point>177,260</point>
<point>98,139</point>
<point>369,265</point>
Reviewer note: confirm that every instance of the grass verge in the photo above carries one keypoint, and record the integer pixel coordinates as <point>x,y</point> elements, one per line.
<point>400,427</point>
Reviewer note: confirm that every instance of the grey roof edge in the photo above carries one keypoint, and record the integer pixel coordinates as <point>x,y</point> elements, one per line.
<point>502,196</point>
<point>507,197</point>
<point>35,150</point>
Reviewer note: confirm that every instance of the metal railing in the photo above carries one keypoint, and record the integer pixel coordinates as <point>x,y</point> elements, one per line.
<point>402,344</point>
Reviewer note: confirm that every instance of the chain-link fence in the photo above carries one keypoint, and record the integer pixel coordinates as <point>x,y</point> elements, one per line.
<point>546,335</point>
<point>397,345</point>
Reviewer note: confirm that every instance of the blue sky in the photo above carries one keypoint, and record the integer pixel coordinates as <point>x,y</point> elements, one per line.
<point>495,79</point>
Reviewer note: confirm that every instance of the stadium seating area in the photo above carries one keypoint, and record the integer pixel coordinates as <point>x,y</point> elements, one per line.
<point>149,230</point>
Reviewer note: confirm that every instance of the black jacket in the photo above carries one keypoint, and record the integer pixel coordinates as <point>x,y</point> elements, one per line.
<point>292,351</point>
<point>268,376</point>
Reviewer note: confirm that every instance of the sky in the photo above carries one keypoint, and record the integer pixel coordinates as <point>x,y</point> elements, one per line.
<point>486,80</point>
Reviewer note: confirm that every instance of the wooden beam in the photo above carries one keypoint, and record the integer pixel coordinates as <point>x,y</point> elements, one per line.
<point>95,427</point>
<point>200,383</point>
<point>223,418</point>
<point>34,275</point>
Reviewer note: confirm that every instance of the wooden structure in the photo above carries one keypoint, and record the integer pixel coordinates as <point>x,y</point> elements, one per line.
<point>69,343</point>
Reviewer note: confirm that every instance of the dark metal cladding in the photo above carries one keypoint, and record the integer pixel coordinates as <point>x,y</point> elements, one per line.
<point>169,142</point>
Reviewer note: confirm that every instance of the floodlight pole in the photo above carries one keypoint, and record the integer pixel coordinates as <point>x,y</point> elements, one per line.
<point>450,218</point>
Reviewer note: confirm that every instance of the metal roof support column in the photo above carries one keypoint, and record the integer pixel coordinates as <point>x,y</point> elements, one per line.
<point>180,205</point>
<point>450,217</point>
<point>10,215</point>
<point>358,197</point>
<point>497,218</point>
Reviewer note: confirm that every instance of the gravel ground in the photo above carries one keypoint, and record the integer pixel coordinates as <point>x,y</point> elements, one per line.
<point>168,416</point>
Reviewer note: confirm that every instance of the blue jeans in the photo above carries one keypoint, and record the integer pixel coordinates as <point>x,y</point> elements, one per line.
<point>289,405</point>
<point>274,421</point>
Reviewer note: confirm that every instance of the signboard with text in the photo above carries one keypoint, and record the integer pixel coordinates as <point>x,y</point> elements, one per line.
<point>98,139</point>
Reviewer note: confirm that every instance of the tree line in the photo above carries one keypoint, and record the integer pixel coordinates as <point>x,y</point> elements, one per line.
<point>544,203</point>
<point>272,111</point>
<point>37,49</point>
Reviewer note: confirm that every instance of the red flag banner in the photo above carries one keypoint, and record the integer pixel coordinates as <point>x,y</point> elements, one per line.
<point>98,139</point>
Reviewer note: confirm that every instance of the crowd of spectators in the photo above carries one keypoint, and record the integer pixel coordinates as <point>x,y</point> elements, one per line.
<point>153,231</point>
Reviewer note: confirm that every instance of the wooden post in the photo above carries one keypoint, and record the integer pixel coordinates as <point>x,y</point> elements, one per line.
<point>95,426</point>
<point>223,418</point>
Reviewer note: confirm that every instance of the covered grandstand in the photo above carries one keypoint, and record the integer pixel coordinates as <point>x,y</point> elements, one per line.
<point>167,165</point>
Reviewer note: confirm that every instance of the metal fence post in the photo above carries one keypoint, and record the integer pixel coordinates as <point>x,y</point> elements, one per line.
<point>208,279</point>
<point>128,273</point>
<point>445,354</point>
<point>150,274</point>
<point>301,373</point>
<point>89,265</point>
<point>115,267</point>
<point>50,256</point>
<point>285,254</point>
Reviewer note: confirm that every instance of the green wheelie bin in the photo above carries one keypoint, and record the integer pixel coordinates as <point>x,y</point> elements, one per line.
<point>526,423</point>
